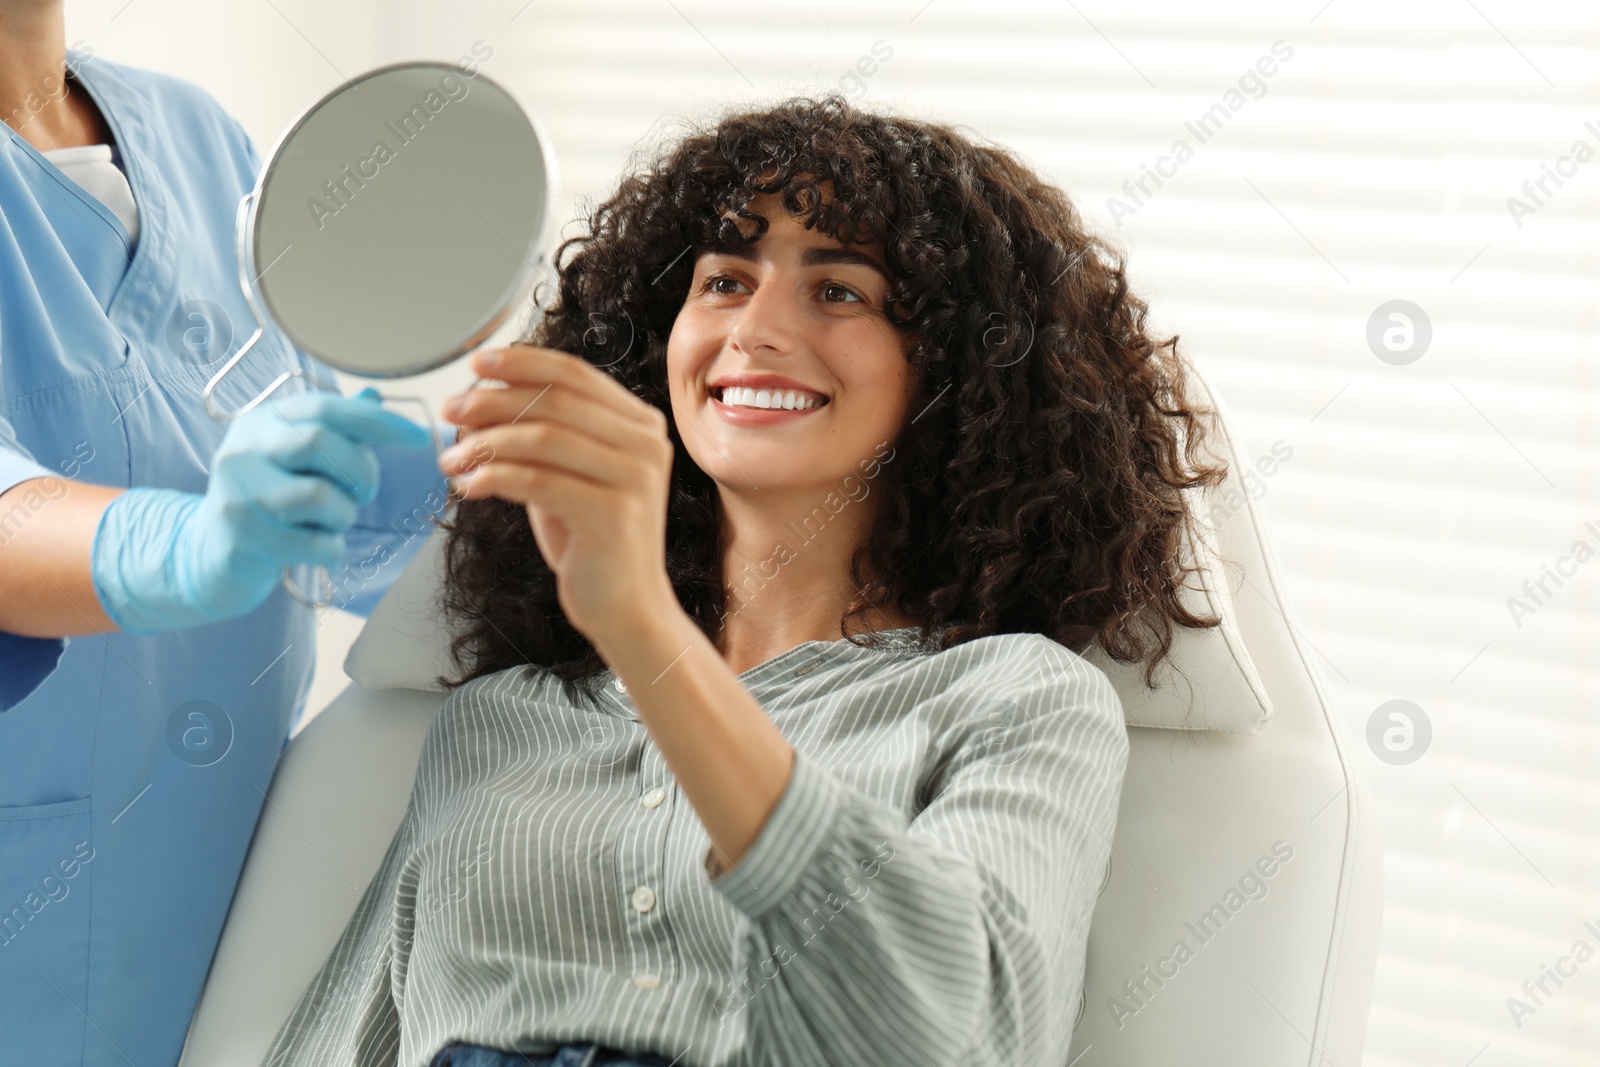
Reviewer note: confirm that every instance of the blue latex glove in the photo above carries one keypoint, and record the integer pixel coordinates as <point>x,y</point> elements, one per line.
<point>285,484</point>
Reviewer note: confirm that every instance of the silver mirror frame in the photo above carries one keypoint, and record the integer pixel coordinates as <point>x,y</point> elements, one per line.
<point>246,252</point>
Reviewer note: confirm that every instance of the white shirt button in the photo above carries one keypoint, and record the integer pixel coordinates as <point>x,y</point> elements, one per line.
<point>644,898</point>
<point>619,686</point>
<point>646,980</point>
<point>653,797</point>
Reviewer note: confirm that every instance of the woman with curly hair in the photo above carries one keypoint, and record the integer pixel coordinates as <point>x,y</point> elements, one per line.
<point>776,556</point>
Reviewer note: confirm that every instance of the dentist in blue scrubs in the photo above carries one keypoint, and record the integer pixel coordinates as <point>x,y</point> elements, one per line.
<point>151,664</point>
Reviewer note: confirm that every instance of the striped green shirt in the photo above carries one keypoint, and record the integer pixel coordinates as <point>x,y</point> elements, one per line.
<point>920,894</point>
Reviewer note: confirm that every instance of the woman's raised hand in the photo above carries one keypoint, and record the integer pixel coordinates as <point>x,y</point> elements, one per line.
<point>592,464</point>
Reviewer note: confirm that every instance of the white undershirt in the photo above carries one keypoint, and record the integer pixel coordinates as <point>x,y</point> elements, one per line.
<point>95,169</point>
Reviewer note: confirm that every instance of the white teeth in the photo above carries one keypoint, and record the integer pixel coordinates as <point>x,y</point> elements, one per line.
<point>736,396</point>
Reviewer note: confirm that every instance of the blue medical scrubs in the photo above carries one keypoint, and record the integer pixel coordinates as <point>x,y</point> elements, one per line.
<point>133,769</point>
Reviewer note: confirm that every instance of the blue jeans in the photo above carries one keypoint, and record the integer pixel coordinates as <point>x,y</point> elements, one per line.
<point>585,1054</point>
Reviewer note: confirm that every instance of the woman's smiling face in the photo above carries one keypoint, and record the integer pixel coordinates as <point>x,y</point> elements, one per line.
<point>797,311</point>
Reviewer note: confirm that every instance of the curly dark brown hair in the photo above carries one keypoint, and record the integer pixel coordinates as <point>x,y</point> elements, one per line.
<point>1040,488</point>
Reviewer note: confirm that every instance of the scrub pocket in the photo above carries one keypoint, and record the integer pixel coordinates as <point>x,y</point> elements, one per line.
<point>46,865</point>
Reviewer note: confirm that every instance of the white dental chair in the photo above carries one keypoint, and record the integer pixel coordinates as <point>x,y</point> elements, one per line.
<point>1237,926</point>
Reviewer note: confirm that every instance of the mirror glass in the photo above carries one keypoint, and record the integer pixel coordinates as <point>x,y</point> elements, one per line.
<point>397,220</point>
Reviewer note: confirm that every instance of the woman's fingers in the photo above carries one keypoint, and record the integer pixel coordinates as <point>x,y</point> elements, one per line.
<point>531,365</point>
<point>544,443</point>
<point>549,403</point>
<point>556,425</point>
<point>566,495</point>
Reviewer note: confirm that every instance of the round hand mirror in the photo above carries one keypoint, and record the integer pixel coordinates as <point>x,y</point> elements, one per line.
<point>393,226</point>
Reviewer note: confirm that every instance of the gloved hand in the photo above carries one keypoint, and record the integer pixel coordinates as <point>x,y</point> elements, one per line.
<point>285,485</point>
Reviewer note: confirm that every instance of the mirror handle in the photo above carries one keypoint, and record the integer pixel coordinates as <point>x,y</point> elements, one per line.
<point>320,599</point>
